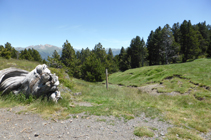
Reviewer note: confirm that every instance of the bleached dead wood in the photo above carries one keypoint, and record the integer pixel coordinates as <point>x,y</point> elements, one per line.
<point>38,82</point>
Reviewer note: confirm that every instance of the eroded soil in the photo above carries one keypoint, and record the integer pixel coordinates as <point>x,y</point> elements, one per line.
<point>20,126</point>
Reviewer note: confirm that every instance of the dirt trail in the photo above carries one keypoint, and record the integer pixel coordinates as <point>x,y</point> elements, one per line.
<point>15,126</point>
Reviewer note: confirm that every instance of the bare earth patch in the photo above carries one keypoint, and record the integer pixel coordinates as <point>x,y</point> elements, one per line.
<point>152,89</point>
<point>78,126</point>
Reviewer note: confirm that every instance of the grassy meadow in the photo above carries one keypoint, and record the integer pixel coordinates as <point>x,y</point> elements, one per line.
<point>189,111</point>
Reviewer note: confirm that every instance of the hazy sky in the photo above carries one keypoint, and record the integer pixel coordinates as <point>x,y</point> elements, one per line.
<point>84,23</point>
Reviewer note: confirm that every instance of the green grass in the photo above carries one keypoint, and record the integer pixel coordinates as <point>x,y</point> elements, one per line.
<point>190,110</point>
<point>143,131</point>
<point>181,133</point>
<point>198,71</point>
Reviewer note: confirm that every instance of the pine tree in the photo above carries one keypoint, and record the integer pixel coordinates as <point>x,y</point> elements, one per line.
<point>154,46</point>
<point>176,32</point>
<point>92,69</point>
<point>124,59</point>
<point>136,47</point>
<point>36,55</point>
<point>1,47</point>
<point>55,61</point>
<point>84,54</point>
<point>56,55</point>
<point>189,41</point>
<point>14,53</point>
<point>6,54</point>
<point>111,65</point>
<point>8,46</point>
<point>68,57</point>
<point>110,54</point>
<point>203,38</point>
<point>168,48</point>
<point>150,48</point>
<point>100,52</point>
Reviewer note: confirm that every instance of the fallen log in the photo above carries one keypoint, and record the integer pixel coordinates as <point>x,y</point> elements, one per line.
<point>38,82</point>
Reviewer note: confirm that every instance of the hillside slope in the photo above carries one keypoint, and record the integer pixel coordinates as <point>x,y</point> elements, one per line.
<point>198,72</point>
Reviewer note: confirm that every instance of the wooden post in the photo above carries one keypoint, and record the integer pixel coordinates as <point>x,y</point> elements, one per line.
<point>106,79</point>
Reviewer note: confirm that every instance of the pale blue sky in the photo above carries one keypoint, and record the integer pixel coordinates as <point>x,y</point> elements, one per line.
<point>84,23</point>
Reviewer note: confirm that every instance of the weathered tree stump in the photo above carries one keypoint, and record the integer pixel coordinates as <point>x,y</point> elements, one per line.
<point>38,82</point>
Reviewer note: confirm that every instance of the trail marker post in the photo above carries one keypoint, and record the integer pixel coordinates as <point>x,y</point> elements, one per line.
<point>106,78</point>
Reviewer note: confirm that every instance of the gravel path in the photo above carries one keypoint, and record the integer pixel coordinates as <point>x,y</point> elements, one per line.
<point>25,126</point>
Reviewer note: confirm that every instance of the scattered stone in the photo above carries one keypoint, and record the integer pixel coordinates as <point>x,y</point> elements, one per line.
<point>162,134</point>
<point>71,105</point>
<point>59,136</point>
<point>77,93</point>
<point>36,135</point>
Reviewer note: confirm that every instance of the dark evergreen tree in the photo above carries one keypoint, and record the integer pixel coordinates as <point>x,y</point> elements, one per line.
<point>56,55</point>
<point>68,57</point>
<point>55,61</point>
<point>136,47</point>
<point>36,55</point>
<point>25,54</point>
<point>6,54</point>
<point>44,61</point>
<point>124,60</point>
<point>150,48</point>
<point>110,54</point>
<point>8,46</point>
<point>92,69</point>
<point>169,49</point>
<point>84,54</point>
<point>100,52</point>
<point>111,65</point>
<point>189,41</point>
<point>176,32</point>
<point>154,46</point>
<point>14,53</point>
<point>1,47</point>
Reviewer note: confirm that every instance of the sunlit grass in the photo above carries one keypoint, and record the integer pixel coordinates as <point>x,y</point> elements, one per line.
<point>143,131</point>
<point>190,112</point>
<point>181,133</point>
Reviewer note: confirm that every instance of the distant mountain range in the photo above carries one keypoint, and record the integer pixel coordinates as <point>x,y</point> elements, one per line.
<point>47,50</point>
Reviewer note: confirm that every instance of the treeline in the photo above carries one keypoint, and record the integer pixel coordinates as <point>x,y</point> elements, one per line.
<point>179,43</point>
<point>7,51</point>
<point>87,64</point>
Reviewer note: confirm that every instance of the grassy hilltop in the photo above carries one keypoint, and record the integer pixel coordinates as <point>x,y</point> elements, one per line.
<point>189,110</point>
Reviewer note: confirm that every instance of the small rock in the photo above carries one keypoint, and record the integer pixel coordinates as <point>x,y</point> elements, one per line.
<point>44,123</point>
<point>162,134</point>
<point>177,135</point>
<point>59,136</point>
<point>77,93</point>
<point>36,135</point>
<point>71,105</point>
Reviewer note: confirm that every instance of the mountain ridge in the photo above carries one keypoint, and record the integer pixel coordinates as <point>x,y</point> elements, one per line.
<point>47,50</point>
